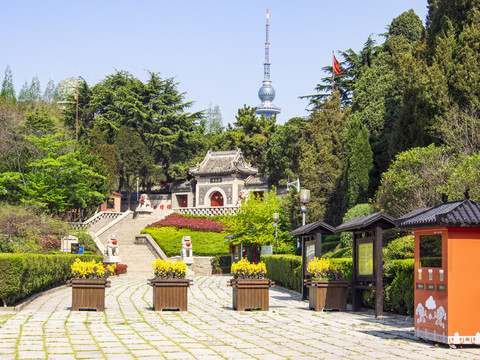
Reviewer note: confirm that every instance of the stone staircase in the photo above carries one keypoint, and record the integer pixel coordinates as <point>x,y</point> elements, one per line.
<point>135,254</point>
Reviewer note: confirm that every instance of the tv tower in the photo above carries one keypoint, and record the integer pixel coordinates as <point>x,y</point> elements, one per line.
<point>267,92</point>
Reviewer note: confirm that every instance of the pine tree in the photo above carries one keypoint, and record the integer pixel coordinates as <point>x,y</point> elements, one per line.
<point>8,92</point>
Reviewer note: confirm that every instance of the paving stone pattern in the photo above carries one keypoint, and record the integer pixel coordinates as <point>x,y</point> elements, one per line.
<point>129,329</point>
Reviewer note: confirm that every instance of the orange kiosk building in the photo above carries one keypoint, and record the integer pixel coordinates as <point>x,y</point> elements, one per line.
<point>447,271</point>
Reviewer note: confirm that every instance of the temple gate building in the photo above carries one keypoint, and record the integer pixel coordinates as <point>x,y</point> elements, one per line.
<point>217,184</point>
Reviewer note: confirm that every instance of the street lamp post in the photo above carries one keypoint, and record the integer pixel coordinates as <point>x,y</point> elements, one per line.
<point>137,187</point>
<point>276,217</point>
<point>304,200</point>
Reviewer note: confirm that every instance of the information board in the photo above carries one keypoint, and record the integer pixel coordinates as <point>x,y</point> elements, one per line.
<point>365,259</point>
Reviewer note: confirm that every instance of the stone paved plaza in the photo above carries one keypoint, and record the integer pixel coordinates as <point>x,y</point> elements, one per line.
<point>129,329</point>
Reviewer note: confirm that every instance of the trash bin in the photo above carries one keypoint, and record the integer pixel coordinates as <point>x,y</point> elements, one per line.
<point>80,250</point>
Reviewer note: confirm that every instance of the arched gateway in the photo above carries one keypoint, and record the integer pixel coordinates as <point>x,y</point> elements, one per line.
<point>216,199</point>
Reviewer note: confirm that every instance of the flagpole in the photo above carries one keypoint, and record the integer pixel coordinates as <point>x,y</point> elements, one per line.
<point>333,70</point>
<point>76,115</point>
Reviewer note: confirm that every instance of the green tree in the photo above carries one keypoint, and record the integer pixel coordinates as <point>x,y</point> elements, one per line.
<point>418,178</point>
<point>24,93</point>
<point>285,151</point>
<point>351,69</point>
<point>156,111</point>
<point>48,95</point>
<point>132,159</point>
<point>321,163</point>
<point>253,222</point>
<point>358,163</point>
<point>251,134</point>
<point>441,74</point>
<point>214,120</point>
<point>8,91</point>
<point>86,112</point>
<point>55,178</point>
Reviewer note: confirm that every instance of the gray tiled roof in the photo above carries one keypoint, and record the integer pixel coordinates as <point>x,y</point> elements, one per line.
<point>380,219</point>
<point>182,185</point>
<point>312,228</point>
<point>223,163</point>
<point>456,213</point>
<point>256,181</point>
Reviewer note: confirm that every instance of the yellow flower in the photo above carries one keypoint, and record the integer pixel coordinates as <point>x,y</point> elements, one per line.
<point>244,270</point>
<point>169,269</point>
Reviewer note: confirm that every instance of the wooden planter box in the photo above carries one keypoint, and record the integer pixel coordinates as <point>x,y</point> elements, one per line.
<point>250,294</point>
<point>327,294</point>
<point>88,294</point>
<point>170,294</point>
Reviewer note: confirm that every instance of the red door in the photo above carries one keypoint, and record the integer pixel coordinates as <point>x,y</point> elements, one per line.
<point>217,199</point>
<point>183,201</point>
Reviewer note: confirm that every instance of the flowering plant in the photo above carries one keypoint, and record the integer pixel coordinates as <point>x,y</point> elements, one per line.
<point>324,269</point>
<point>244,270</point>
<point>181,222</point>
<point>169,269</point>
<point>91,270</point>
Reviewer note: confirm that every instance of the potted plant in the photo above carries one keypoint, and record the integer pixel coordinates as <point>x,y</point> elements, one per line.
<point>88,284</point>
<point>170,288</point>
<point>249,287</point>
<point>326,289</point>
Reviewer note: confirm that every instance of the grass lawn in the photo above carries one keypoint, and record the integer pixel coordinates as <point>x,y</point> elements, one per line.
<point>204,243</point>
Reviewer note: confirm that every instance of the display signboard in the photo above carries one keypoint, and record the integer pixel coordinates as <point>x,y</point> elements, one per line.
<point>309,253</point>
<point>365,259</point>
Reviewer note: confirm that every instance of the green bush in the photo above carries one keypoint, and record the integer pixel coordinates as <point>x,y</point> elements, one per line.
<point>346,237</point>
<point>346,265</point>
<point>85,240</point>
<point>22,275</point>
<point>203,243</point>
<point>399,286</point>
<point>398,280</point>
<point>222,262</point>
<point>345,252</point>
<point>401,248</point>
<point>329,246</point>
<point>285,270</point>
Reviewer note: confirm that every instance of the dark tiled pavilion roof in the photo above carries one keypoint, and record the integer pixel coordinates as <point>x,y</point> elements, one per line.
<point>464,213</point>
<point>312,228</point>
<point>380,219</point>
<point>223,163</point>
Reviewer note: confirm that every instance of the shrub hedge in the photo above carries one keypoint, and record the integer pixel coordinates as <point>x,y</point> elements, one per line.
<point>398,279</point>
<point>204,243</point>
<point>22,275</point>
<point>285,270</point>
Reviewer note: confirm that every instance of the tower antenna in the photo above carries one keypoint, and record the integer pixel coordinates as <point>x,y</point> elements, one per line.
<point>267,92</point>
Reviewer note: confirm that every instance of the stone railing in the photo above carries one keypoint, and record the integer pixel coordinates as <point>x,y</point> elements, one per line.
<point>221,210</point>
<point>97,242</point>
<point>146,239</point>
<point>94,220</point>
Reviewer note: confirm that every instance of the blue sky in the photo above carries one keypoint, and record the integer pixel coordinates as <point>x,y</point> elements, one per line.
<point>214,49</point>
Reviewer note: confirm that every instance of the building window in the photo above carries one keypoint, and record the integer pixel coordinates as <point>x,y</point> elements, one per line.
<point>216,199</point>
<point>110,203</point>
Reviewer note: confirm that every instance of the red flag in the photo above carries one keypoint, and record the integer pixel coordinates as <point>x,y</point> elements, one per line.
<point>336,66</point>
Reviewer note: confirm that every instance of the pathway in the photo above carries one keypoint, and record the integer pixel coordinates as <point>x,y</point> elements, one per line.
<point>129,329</point>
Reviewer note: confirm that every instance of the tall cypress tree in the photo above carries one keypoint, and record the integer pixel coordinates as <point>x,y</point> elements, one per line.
<point>322,160</point>
<point>358,164</point>
<point>8,92</point>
